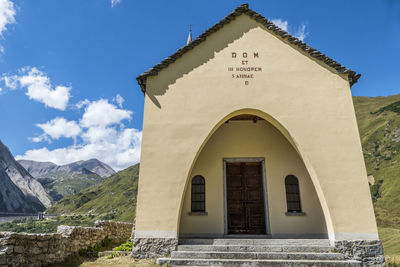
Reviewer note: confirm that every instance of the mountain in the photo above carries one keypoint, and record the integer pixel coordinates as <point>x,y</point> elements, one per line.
<point>42,169</point>
<point>19,191</point>
<point>379,124</point>
<point>66,180</point>
<point>116,196</point>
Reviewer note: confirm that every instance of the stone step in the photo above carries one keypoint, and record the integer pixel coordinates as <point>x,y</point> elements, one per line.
<point>253,241</point>
<point>257,263</point>
<point>256,255</point>
<point>251,248</point>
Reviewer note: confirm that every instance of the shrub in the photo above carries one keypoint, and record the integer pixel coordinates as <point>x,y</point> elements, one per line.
<point>127,246</point>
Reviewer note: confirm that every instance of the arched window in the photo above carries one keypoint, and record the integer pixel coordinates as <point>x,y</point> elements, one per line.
<point>292,194</point>
<point>198,194</point>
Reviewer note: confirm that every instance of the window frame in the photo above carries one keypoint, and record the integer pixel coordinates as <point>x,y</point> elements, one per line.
<point>296,195</point>
<point>202,192</point>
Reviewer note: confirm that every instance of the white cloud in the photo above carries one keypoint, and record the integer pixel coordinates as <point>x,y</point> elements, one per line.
<point>115,2</point>
<point>10,81</point>
<point>300,33</point>
<point>40,138</point>
<point>103,113</point>
<point>7,16</point>
<point>119,100</point>
<point>82,103</point>
<point>283,24</point>
<point>39,87</point>
<point>60,127</point>
<point>120,150</point>
<point>101,134</point>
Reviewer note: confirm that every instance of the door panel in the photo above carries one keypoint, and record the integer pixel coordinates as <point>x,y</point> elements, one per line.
<point>245,198</point>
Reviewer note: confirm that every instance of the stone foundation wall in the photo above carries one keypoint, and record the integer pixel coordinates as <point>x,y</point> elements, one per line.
<point>22,249</point>
<point>153,247</point>
<point>370,252</point>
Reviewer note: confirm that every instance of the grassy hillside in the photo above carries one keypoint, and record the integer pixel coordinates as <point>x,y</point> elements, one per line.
<point>113,199</point>
<point>60,184</point>
<point>379,124</point>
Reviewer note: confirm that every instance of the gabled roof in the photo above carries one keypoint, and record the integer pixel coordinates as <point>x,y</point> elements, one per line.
<point>244,9</point>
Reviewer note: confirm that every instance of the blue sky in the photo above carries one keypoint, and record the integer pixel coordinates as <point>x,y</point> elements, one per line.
<point>68,67</point>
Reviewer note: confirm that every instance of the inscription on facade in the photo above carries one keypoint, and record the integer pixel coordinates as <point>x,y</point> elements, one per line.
<point>245,66</point>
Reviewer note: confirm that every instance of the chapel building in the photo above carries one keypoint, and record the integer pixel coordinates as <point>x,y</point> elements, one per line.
<point>249,133</point>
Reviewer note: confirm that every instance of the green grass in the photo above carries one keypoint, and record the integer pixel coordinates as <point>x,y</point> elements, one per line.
<point>47,225</point>
<point>390,238</point>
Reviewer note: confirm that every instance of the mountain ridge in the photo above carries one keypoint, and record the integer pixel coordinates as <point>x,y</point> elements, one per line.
<point>39,169</point>
<point>19,191</point>
<point>65,180</point>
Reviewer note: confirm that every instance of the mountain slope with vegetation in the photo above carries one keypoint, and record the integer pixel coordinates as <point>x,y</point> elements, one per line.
<point>115,198</point>
<point>69,179</point>
<point>379,124</point>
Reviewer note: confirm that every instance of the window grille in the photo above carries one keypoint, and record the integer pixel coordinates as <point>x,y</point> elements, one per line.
<point>198,194</point>
<point>292,194</point>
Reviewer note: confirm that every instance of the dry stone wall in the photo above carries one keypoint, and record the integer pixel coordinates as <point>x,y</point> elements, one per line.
<point>22,249</point>
<point>119,232</point>
<point>153,247</point>
<point>369,252</point>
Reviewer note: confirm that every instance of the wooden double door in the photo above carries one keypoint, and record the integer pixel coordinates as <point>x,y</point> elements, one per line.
<point>245,198</point>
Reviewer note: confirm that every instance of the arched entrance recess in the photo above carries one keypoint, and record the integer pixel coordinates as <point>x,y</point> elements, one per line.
<point>289,138</point>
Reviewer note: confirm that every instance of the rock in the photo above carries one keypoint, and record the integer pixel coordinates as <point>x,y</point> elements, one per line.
<point>3,259</point>
<point>43,237</point>
<point>18,249</point>
<point>35,250</point>
<point>43,244</point>
<point>18,189</point>
<point>371,179</point>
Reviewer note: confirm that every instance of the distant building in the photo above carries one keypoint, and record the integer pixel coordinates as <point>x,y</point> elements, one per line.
<point>248,131</point>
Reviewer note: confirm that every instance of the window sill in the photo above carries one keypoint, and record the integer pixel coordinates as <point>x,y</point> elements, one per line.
<point>198,213</point>
<point>295,214</point>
